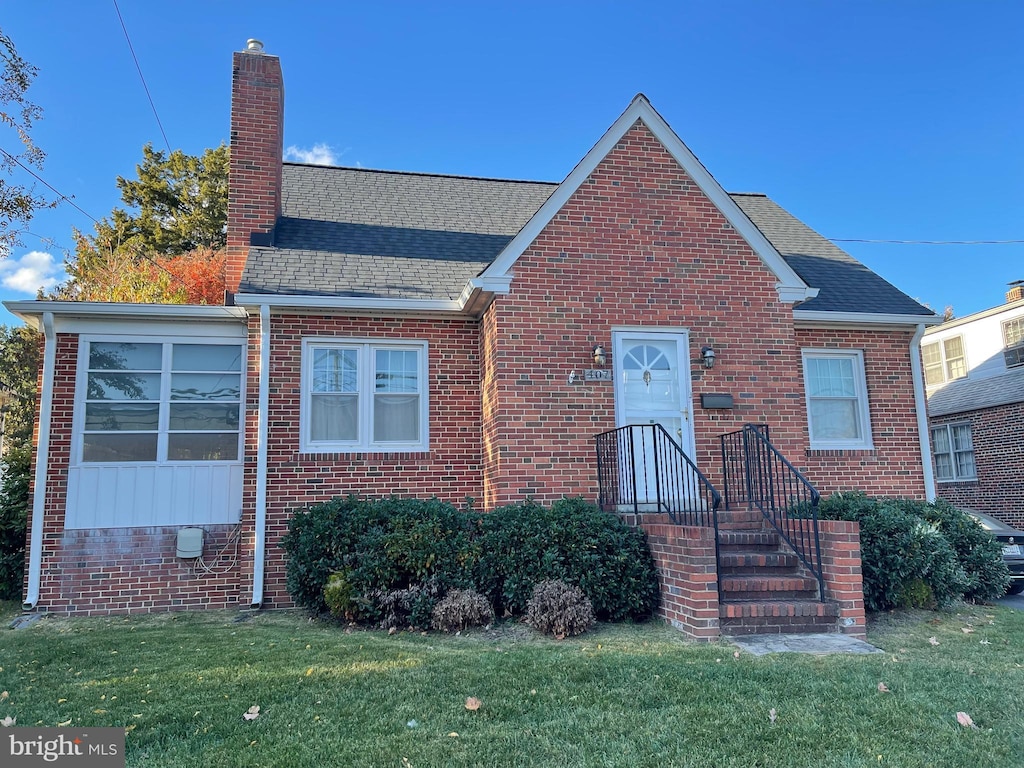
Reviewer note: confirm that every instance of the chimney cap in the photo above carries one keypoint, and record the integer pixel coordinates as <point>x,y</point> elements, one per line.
<point>252,45</point>
<point>1015,283</point>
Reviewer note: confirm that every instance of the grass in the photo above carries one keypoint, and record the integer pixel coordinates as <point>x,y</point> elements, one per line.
<point>620,696</point>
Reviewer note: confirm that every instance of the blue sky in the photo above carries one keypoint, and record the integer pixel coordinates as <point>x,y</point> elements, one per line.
<point>867,120</point>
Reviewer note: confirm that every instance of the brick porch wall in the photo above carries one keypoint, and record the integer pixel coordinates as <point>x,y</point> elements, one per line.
<point>999,458</point>
<point>841,568</point>
<point>687,576</point>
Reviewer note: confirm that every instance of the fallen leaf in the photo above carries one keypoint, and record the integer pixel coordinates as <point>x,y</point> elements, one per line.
<point>933,641</point>
<point>967,630</point>
<point>883,688</point>
<point>965,720</point>
<point>129,728</point>
<point>65,724</point>
<point>99,711</point>
<point>59,701</point>
<point>454,735</point>
<point>412,724</point>
<point>984,642</point>
<point>735,654</point>
<point>252,713</point>
<point>772,716</point>
<point>309,672</point>
<point>473,703</point>
<point>392,631</point>
<point>4,695</point>
<point>8,721</point>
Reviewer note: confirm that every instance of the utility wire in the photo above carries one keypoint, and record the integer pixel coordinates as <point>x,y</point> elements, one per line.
<point>926,242</point>
<point>37,177</point>
<point>141,76</point>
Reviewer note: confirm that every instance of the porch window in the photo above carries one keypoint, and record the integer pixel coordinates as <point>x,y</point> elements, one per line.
<point>944,360</point>
<point>953,449</point>
<point>837,399</point>
<point>1013,342</point>
<point>159,401</point>
<point>363,395</point>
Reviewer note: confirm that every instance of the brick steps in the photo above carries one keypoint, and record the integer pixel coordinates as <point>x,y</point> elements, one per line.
<point>761,586</point>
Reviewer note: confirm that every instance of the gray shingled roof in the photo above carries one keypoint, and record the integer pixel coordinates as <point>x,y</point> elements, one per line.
<point>386,234</point>
<point>845,285</point>
<point>968,394</point>
<point>354,232</point>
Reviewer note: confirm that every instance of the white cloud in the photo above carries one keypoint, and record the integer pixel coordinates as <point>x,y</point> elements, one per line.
<point>34,270</point>
<point>319,154</point>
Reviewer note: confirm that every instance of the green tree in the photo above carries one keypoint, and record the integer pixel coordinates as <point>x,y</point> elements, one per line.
<point>20,349</point>
<point>178,203</point>
<point>18,202</point>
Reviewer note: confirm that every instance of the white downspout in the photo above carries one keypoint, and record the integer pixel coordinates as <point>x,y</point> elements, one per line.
<point>35,547</point>
<point>263,421</point>
<point>921,406</point>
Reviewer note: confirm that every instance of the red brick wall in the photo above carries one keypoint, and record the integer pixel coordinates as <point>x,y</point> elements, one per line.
<point>450,470</point>
<point>999,458</point>
<point>688,577</point>
<point>841,570</point>
<point>894,467</point>
<point>257,132</point>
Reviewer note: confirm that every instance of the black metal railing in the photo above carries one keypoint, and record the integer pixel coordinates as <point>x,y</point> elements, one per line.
<point>640,468</point>
<point>757,476</point>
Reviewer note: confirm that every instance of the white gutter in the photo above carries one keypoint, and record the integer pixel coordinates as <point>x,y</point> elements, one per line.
<point>816,317</point>
<point>263,419</point>
<point>347,303</point>
<point>921,406</point>
<point>35,549</point>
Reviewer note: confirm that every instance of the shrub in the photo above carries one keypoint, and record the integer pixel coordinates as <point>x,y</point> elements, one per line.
<point>524,544</point>
<point>915,554</point>
<point>559,609</point>
<point>412,607</point>
<point>381,546</point>
<point>339,596</point>
<point>14,504</point>
<point>462,608</point>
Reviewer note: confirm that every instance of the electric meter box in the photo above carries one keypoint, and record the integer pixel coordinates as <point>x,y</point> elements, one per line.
<point>190,542</point>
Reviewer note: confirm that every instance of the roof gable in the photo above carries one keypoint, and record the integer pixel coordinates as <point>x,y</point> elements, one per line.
<point>789,286</point>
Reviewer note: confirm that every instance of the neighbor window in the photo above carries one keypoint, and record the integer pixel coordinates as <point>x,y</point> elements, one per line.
<point>160,401</point>
<point>953,449</point>
<point>837,400</point>
<point>1013,341</point>
<point>944,360</point>
<point>364,395</point>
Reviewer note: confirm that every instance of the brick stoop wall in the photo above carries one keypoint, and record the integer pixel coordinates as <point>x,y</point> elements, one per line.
<point>688,576</point>
<point>841,568</point>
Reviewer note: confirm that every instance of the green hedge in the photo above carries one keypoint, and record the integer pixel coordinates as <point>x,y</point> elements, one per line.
<point>917,554</point>
<point>369,549</point>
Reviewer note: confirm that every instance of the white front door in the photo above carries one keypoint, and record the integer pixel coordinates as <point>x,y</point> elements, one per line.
<point>652,386</point>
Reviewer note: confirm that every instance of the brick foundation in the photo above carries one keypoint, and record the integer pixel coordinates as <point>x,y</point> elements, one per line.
<point>841,568</point>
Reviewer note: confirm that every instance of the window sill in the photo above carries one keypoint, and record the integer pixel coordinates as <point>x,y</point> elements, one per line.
<point>841,451</point>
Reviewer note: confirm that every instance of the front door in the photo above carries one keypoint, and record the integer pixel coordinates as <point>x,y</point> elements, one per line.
<point>652,386</point>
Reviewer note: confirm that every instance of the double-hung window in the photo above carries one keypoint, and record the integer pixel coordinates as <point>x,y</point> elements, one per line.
<point>953,449</point>
<point>1013,342</point>
<point>364,395</point>
<point>160,401</point>
<point>837,399</point>
<point>944,360</point>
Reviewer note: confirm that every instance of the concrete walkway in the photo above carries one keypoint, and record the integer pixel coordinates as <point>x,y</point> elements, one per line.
<point>816,645</point>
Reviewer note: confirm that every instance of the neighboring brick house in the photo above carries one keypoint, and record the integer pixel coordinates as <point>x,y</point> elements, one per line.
<point>974,370</point>
<point>430,335</point>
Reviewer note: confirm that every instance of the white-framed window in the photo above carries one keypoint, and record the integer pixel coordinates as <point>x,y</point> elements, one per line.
<point>944,360</point>
<point>837,399</point>
<point>158,401</point>
<point>1013,342</point>
<point>363,395</point>
<point>953,449</point>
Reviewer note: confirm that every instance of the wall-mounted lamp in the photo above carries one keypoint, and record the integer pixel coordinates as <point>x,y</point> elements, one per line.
<point>600,358</point>
<point>707,354</point>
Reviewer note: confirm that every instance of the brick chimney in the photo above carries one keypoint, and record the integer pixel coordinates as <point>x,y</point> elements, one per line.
<point>254,173</point>
<point>1016,292</point>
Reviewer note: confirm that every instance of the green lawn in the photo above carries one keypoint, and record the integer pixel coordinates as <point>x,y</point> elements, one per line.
<point>619,696</point>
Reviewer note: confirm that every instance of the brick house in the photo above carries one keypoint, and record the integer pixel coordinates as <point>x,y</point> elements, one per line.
<point>974,373</point>
<point>429,335</point>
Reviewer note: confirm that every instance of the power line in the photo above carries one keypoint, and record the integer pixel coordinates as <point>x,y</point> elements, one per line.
<point>40,179</point>
<point>141,76</point>
<point>927,242</point>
